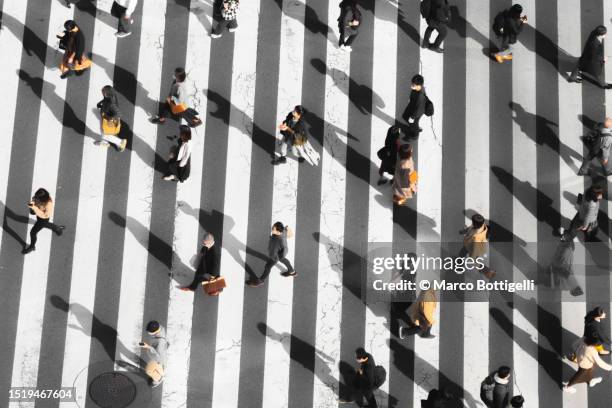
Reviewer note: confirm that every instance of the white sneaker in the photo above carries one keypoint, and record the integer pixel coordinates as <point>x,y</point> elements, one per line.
<point>101,143</point>
<point>170,177</point>
<point>347,48</point>
<point>213,35</point>
<point>595,381</point>
<point>231,30</point>
<point>122,34</point>
<point>569,390</point>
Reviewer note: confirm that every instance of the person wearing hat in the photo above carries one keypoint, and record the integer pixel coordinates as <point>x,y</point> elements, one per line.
<point>416,104</point>
<point>507,26</point>
<point>592,60</point>
<point>154,353</point>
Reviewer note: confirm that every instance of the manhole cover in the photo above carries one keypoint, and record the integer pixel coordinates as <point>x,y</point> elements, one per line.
<point>112,390</point>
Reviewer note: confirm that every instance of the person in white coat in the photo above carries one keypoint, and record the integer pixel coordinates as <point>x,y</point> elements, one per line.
<point>122,10</point>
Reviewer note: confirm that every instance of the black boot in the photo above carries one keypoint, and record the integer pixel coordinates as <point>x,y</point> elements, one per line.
<point>60,230</point>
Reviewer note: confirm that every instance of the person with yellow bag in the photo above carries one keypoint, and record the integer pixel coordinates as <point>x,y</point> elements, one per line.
<point>74,59</point>
<point>111,120</point>
<point>406,177</point>
<point>154,353</point>
<point>592,329</point>
<point>177,101</point>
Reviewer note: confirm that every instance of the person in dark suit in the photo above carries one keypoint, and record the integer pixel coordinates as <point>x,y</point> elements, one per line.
<point>416,104</point>
<point>348,23</point>
<point>439,16</point>
<point>363,383</point>
<point>208,266</point>
<point>592,60</point>
<point>507,26</point>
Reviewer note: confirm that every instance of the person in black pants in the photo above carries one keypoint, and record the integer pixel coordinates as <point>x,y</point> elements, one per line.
<point>362,384</point>
<point>348,23</point>
<point>416,105</point>
<point>388,154</point>
<point>208,267</point>
<point>592,59</point>
<point>41,206</point>
<point>439,16</point>
<point>277,252</point>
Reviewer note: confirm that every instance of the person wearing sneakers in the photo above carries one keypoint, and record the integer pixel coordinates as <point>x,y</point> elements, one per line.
<point>229,15</point>
<point>348,23</point>
<point>179,165</point>
<point>111,120</point>
<point>154,354</point>
<point>507,25</point>
<point>437,19</point>
<point>41,206</point>
<point>277,252</point>
<point>593,330</point>
<point>592,60</point>
<point>177,100</point>
<point>208,266</point>
<point>122,10</point>
<point>587,356</point>
<point>293,135</point>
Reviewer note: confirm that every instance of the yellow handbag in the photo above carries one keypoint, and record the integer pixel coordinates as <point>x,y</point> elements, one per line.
<point>111,126</point>
<point>155,371</point>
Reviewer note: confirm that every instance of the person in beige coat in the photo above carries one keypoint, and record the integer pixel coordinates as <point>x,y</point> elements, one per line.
<point>587,356</point>
<point>405,177</point>
<point>421,315</point>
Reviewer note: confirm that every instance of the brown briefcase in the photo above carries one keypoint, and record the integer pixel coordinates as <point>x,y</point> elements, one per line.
<point>214,286</point>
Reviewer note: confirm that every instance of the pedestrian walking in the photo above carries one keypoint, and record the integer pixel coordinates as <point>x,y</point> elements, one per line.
<point>277,252</point>
<point>363,381</point>
<point>507,26</point>
<point>208,265</point>
<point>416,104</point>
<point>592,60</point>
<point>562,267</point>
<point>41,205</point>
<point>405,177</point>
<point>599,144</point>
<point>476,243</point>
<point>348,23</point>
<point>437,15</point>
<point>586,356</point>
<point>177,101</point>
<point>73,42</point>
<point>593,329</point>
<point>111,119</point>
<point>293,136</point>
<point>155,349</point>
<point>421,315</point>
<point>229,15</point>
<point>122,10</point>
<point>179,165</point>
<point>388,154</point>
<point>585,219</point>
<point>495,388</point>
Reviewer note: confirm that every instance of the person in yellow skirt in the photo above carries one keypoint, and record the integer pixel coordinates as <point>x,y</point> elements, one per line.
<point>74,59</point>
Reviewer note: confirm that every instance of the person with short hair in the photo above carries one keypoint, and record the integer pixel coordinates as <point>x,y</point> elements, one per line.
<point>123,10</point>
<point>592,60</point>
<point>277,252</point>
<point>229,18</point>
<point>599,148</point>
<point>348,23</point>
<point>587,356</point>
<point>293,135</point>
<point>495,389</point>
<point>179,165</point>
<point>178,99</point>
<point>416,104</point>
<point>585,219</point>
<point>208,265</point>
<point>363,383</point>
<point>74,60</point>
<point>155,350</point>
<point>439,17</point>
<point>507,25</point>
<point>41,205</point>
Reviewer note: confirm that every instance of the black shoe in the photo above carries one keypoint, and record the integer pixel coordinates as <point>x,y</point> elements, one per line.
<point>28,249</point>
<point>582,172</point>
<point>381,181</point>
<point>254,283</point>
<point>60,230</point>
<point>608,86</point>
<point>66,74</point>
<point>425,44</point>
<point>577,291</point>
<point>576,80</point>
<point>289,273</point>
<point>279,160</point>
<point>436,49</point>
<point>157,120</point>
<point>301,160</point>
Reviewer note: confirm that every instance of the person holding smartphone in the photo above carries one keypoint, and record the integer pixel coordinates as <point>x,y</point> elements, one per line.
<point>154,352</point>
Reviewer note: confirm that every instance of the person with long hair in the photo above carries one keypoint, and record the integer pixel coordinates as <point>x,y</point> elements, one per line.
<point>179,164</point>
<point>41,205</point>
<point>293,136</point>
<point>404,180</point>
<point>593,330</point>
<point>592,60</point>
<point>111,120</point>
<point>74,59</point>
<point>587,356</point>
<point>177,101</point>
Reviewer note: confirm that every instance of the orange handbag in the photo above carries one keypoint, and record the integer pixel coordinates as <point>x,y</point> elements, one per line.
<point>111,126</point>
<point>176,109</point>
<point>214,286</point>
<point>413,177</point>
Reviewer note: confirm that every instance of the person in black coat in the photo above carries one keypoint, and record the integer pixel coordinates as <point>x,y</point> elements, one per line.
<point>416,104</point>
<point>208,266</point>
<point>293,134</point>
<point>593,330</point>
<point>507,26</point>
<point>348,23</point>
<point>73,41</point>
<point>388,154</point>
<point>592,60</point>
<point>439,16</point>
<point>363,383</point>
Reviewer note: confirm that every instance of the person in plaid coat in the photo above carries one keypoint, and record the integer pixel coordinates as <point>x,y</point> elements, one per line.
<point>229,13</point>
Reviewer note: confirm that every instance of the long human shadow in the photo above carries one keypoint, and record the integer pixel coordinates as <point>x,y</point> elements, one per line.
<point>524,340</point>
<point>543,46</point>
<point>311,21</point>
<point>400,353</point>
<point>358,94</point>
<point>62,111</point>
<point>177,270</point>
<point>401,21</point>
<point>142,149</point>
<point>89,7</point>
<point>90,325</point>
<point>460,25</point>
<point>8,213</point>
<point>542,133</point>
<point>229,242</point>
<point>204,8</point>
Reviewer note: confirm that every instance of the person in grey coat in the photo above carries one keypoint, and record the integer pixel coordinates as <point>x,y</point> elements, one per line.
<point>562,267</point>
<point>495,389</point>
<point>155,348</point>
<point>592,60</point>
<point>348,23</point>
<point>277,252</point>
<point>586,218</point>
<point>600,148</point>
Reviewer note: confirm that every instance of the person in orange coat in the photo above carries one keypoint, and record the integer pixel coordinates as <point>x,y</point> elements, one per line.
<point>405,178</point>
<point>421,315</point>
<point>74,59</point>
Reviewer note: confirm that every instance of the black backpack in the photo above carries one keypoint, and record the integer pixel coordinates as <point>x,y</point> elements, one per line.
<point>429,107</point>
<point>425,8</point>
<point>380,376</point>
